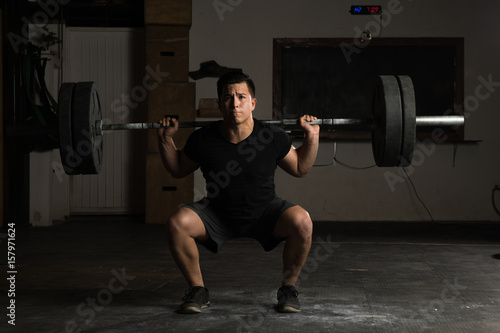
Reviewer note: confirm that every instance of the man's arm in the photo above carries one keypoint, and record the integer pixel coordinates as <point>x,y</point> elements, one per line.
<point>300,160</point>
<point>175,161</point>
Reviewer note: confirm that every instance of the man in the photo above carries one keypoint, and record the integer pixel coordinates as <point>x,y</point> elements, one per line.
<point>238,157</point>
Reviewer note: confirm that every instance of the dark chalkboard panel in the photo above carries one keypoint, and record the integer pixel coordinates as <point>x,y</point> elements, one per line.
<point>326,78</point>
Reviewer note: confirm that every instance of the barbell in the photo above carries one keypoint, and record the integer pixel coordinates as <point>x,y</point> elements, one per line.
<point>393,124</point>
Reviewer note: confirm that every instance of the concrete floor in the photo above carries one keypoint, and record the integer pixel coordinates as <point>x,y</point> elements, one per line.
<point>116,275</point>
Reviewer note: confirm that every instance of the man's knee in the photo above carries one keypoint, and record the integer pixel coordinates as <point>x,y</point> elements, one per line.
<point>299,222</point>
<point>304,224</point>
<point>186,222</point>
<point>178,221</point>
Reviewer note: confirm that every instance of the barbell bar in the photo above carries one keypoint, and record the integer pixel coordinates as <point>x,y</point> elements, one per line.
<point>444,121</point>
<point>393,124</point>
<point>101,127</point>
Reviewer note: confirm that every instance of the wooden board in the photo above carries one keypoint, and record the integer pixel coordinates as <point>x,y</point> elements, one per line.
<point>171,12</point>
<point>163,192</point>
<point>171,98</point>
<point>167,51</point>
<point>209,108</point>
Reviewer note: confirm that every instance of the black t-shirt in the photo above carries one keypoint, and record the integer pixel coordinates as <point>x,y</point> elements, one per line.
<point>239,177</point>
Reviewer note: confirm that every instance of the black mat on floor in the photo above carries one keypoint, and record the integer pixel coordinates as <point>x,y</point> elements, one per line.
<point>114,275</point>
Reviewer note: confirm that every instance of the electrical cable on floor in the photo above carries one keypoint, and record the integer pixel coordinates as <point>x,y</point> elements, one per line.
<point>333,158</point>
<point>496,188</point>
<point>416,194</point>
<point>335,161</point>
<point>353,167</point>
<point>324,165</point>
<point>448,224</point>
<point>380,24</point>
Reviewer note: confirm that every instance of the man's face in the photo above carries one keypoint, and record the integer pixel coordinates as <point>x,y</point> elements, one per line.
<point>236,103</point>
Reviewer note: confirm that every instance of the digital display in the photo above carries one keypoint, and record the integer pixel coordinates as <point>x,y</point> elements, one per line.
<point>366,10</point>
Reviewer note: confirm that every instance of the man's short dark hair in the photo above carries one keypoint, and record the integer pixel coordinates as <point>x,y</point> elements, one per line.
<point>234,78</point>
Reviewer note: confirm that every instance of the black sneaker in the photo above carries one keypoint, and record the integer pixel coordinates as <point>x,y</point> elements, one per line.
<point>196,298</point>
<point>288,300</point>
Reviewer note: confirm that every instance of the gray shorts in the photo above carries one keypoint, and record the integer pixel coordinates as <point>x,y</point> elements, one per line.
<point>221,229</point>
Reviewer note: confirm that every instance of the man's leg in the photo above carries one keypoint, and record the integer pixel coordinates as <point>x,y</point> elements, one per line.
<point>184,227</point>
<point>296,227</point>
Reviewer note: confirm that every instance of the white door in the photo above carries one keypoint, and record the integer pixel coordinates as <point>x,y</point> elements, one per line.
<point>114,59</point>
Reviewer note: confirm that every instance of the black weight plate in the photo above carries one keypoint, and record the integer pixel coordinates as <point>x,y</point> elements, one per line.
<point>86,142</point>
<point>387,122</point>
<point>409,120</point>
<point>69,160</point>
